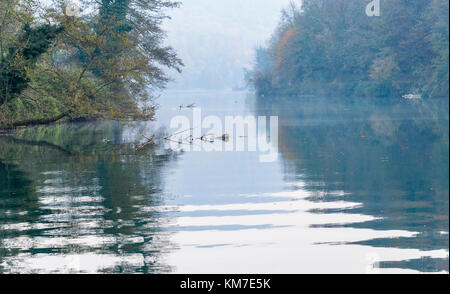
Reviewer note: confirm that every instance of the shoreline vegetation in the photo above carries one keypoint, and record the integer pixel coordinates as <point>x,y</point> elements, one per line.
<point>102,60</point>
<point>332,47</point>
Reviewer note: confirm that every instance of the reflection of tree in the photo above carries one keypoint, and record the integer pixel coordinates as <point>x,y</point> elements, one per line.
<point>425,264</point>
<point>16,197</point>
<point>83,184</point>
<point>390,156</point>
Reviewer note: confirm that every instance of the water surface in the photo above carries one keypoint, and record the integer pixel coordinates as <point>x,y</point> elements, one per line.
<point>359,186</point>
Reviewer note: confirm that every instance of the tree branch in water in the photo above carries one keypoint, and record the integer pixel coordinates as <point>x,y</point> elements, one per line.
<point>33,122</point>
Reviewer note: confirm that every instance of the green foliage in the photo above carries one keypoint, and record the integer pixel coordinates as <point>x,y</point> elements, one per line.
<point>102,64</point>
<point>37,40</point>
<point>334,47</point>
<point>21,44</point>
<point>33,42</point>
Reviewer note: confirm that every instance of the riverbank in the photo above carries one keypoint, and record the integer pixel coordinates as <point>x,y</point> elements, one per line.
<point>44,122</point>
<point>57,64</point>
<point>313,51</point>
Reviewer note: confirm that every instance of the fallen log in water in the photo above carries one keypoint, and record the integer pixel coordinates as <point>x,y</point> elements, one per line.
<point>150,141</point>
<point>34,122</point>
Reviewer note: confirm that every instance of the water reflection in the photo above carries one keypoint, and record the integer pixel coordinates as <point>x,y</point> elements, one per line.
<point>317,210</point>
<point>361,186</point>
<point>390,156</point>
<point>73,199</point>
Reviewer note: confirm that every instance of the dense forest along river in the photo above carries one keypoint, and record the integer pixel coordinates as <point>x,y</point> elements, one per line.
<point>358,186</point>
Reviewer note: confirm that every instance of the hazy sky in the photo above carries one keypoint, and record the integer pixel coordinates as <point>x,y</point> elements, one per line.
<point>216,38</point>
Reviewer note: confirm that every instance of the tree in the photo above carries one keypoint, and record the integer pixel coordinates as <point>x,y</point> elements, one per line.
<point>333,47</point>
<point>32,43</point>
<point>102,64</point>
<point>20,46</point>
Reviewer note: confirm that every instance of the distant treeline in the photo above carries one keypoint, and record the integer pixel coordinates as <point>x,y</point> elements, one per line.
<point>99,60</point>
<point>334,47</point>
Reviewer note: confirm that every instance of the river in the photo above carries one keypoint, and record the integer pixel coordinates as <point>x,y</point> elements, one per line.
<point>358,186</point>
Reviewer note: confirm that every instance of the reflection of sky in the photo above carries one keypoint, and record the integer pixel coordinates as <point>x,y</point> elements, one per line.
<point>214,212</point>
<point>279,242</point>
<point>210,176</point>
<point>234,214</point>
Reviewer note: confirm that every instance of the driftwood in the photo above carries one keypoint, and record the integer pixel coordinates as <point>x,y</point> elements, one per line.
<point>180,132</point>
<point>187,106</point>
<point>150,141</point>
<point>224,137</point>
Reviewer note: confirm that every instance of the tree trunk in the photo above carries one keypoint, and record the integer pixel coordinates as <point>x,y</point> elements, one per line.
<point>33,122</point>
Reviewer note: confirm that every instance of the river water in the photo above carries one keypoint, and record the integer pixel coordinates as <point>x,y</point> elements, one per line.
<point>358,186</point>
